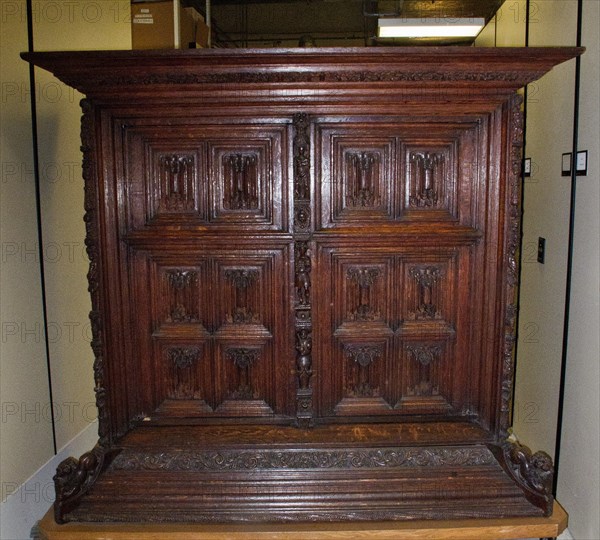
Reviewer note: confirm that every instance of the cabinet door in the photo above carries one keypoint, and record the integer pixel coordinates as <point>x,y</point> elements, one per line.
<point>204,265</point>
<point>396,245</point>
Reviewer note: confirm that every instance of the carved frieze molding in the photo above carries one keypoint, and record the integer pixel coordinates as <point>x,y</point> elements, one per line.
<point>392,458</point>
<point>249,77</point>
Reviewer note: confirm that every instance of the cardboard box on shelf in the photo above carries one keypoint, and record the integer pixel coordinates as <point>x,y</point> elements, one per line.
<point>163,24</point>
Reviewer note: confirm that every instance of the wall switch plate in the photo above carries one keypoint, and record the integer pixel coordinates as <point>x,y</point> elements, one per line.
<point>566,164</point>
<point>541,253</point>
<point>581,163</point>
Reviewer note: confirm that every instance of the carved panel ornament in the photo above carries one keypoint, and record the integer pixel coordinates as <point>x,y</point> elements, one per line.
<point>426,277</point>
<point>360,180</point>
<point>428,172</point>
<point>425,354</point>
<point>240,177</point>
<point>182,296</point>
<point>242,359</point>
<point>363,356</point>
<point>197,460</point>
<point>176,174</point>
<point>242,279</point>
<point>183,357</point>
<point>365,278</point>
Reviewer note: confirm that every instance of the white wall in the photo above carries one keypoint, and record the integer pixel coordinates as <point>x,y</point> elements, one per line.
<point>550,109</point>
<point>27,461</point>
<point>579,470</point>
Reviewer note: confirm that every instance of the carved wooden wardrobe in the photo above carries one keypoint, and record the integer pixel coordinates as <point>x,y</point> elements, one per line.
<point>303,276</point>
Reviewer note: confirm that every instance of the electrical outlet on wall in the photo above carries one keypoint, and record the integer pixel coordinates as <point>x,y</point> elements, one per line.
<point>541,252</point>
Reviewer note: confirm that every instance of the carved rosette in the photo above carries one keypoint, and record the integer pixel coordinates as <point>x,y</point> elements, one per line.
<point>513,232</point>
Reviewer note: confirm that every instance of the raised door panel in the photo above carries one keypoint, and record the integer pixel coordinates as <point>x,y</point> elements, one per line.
<point>219,338</point>
<point>189,175</point>
<point>390,337</point>
<point>379,173</point>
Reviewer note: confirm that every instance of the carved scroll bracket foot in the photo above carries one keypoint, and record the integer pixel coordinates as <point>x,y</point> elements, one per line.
<point>533,473</point>
<point>75,477</point>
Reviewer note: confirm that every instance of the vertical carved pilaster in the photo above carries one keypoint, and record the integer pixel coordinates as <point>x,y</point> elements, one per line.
<point>242,279</point>
<point>427,167</point>
<point>426,277</point>
<point>92,244</point>
<point>301,157</point>
<point>302,269</point>
<point>240,182</point>
<point>513,232</point>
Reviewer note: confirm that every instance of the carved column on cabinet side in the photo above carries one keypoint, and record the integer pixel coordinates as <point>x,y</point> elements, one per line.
<point>302,269</point>
<point>75,477</point>
<point>513,232</point>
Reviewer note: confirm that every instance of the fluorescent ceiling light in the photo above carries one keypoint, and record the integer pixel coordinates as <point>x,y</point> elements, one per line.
<point>421,28</point>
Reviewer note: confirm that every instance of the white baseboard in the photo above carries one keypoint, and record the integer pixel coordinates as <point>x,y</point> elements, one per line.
<point>23,508</point>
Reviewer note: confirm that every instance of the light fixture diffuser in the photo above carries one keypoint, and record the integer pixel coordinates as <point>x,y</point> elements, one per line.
<point>430,28</point>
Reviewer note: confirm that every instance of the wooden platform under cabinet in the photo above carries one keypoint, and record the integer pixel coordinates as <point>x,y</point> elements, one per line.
<point>472,529</point>
<point>303,279</point>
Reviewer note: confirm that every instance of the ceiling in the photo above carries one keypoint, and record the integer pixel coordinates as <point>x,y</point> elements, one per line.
<point>329,23</point>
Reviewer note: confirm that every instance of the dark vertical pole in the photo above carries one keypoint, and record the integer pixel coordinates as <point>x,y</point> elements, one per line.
<point>565,344</point>
<point>38,209</point>
<point>520,269</point>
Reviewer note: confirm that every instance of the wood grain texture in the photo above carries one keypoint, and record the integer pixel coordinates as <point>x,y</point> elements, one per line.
<point>303,279</point>
<point>475,529</point>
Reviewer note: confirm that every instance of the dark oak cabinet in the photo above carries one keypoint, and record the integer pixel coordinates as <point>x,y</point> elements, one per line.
<point>303,277</point>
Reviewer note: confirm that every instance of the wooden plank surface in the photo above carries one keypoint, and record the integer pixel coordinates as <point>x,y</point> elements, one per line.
<point>473,529</point>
